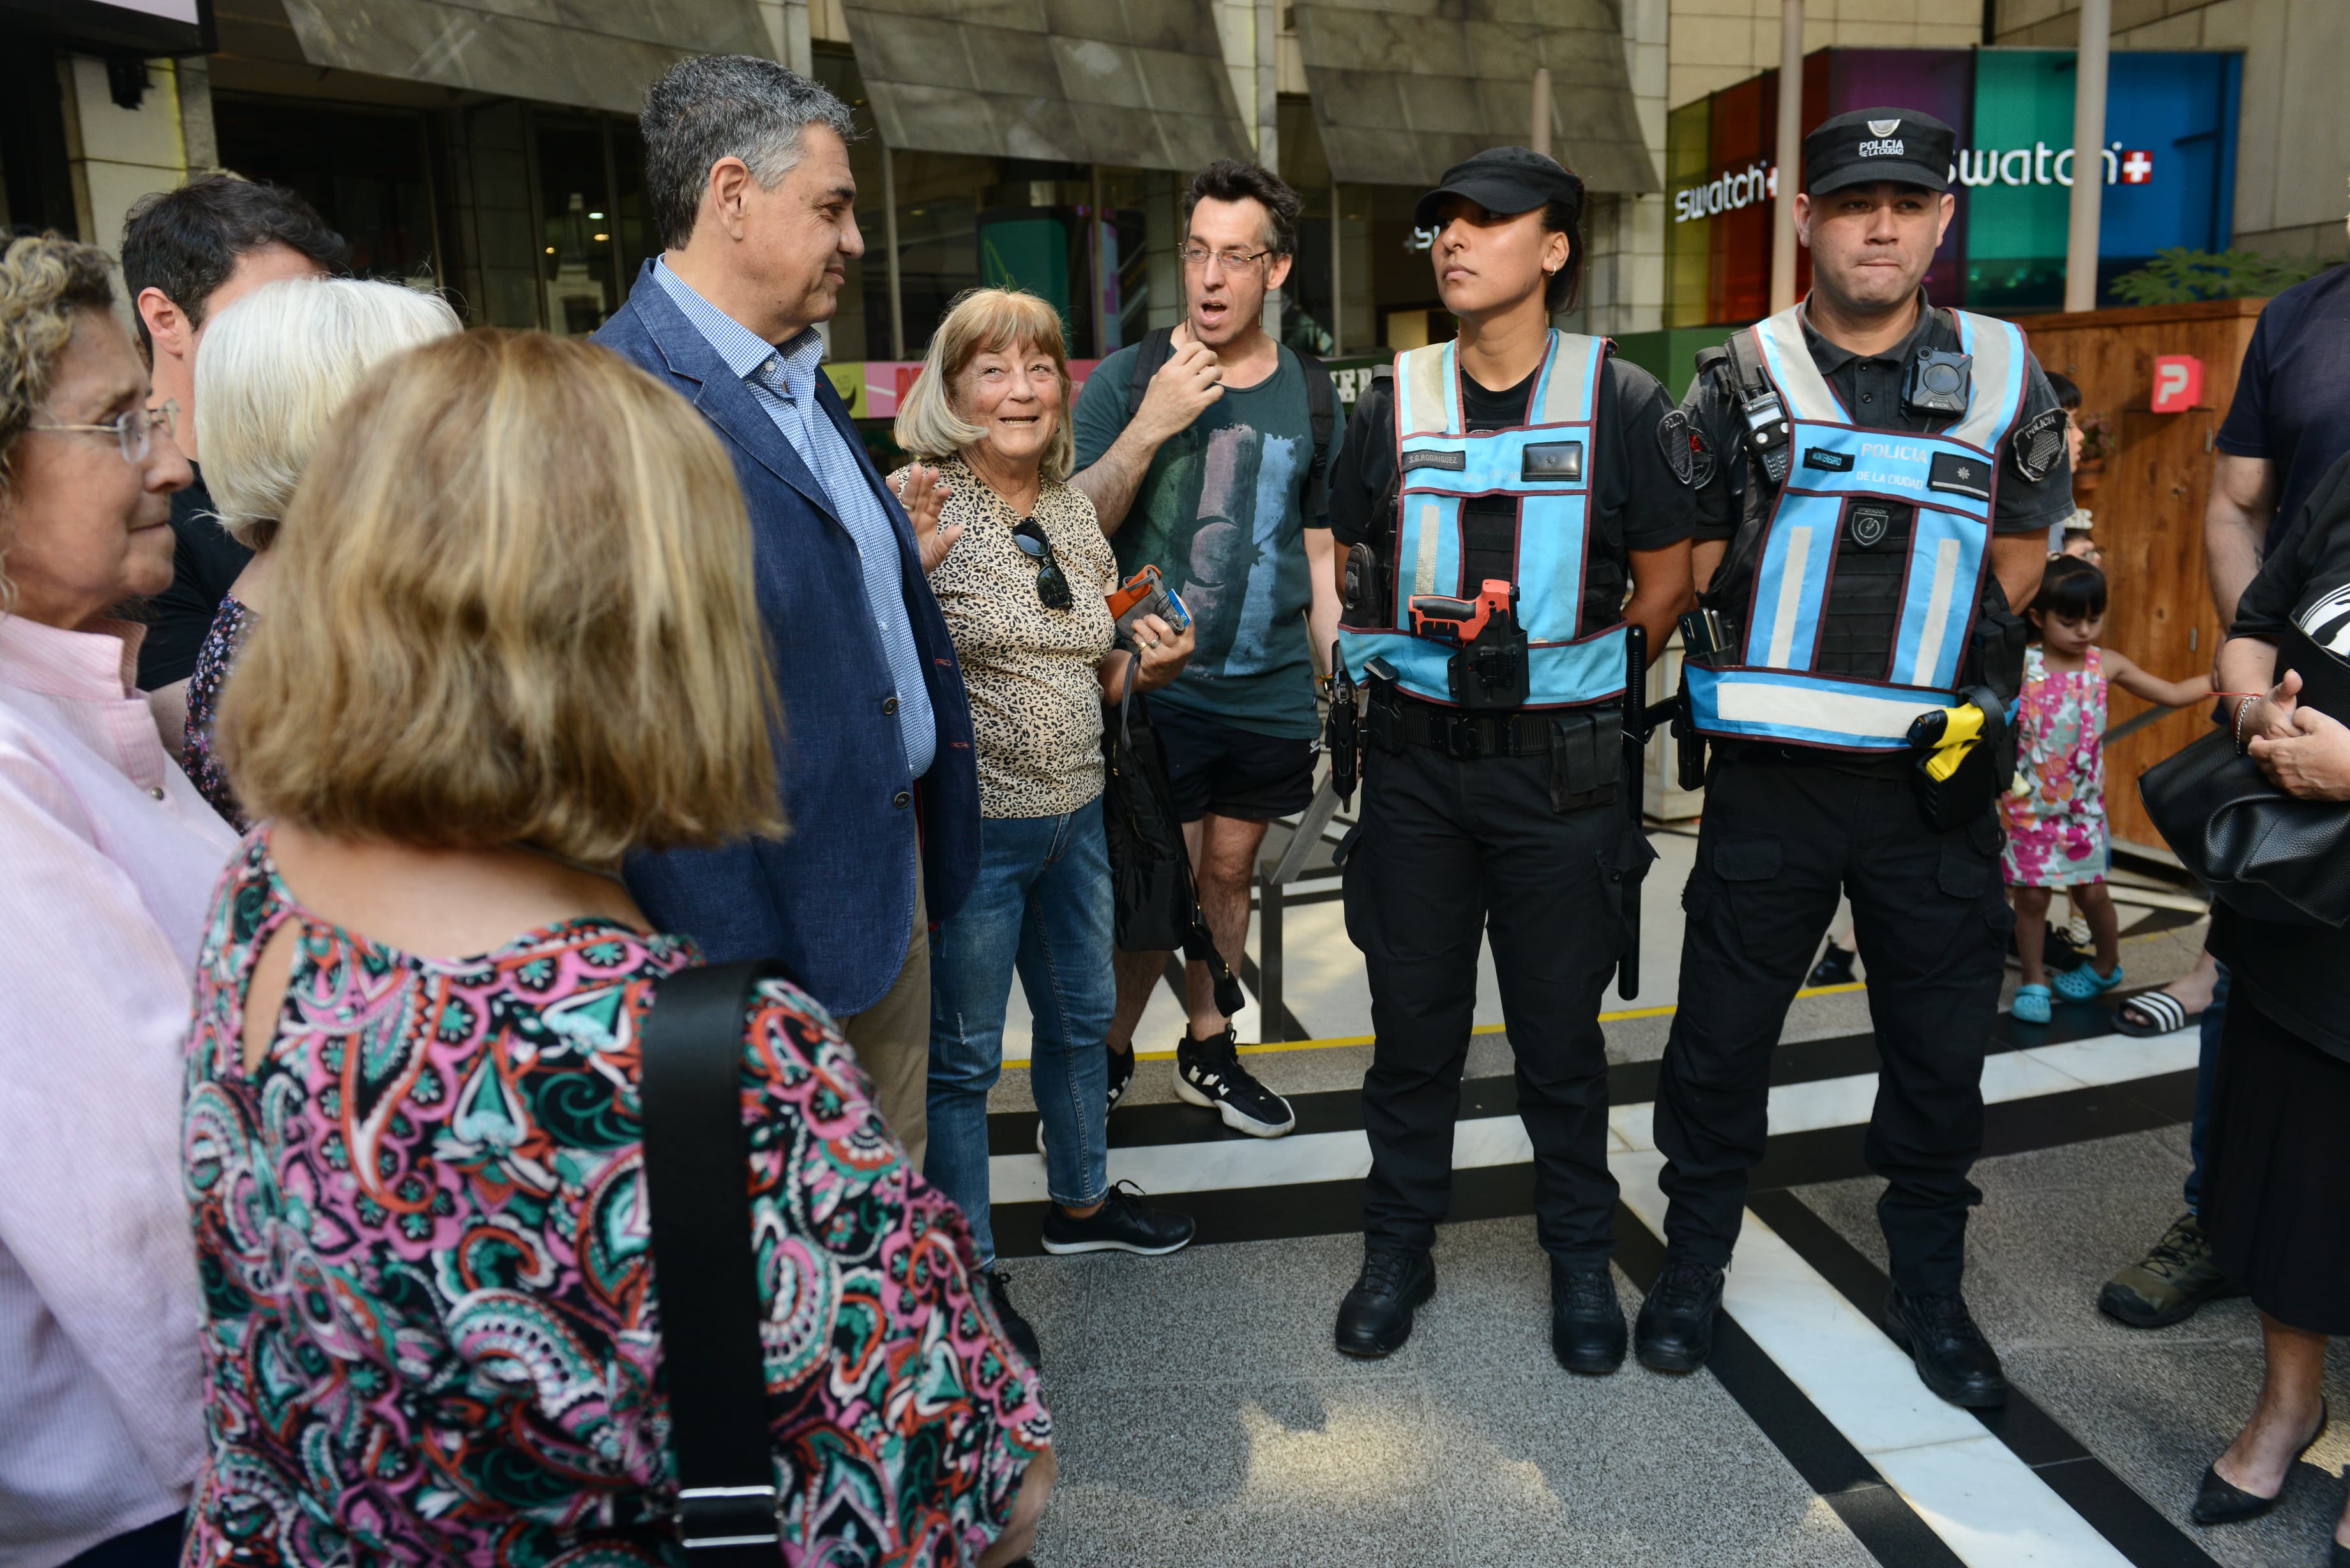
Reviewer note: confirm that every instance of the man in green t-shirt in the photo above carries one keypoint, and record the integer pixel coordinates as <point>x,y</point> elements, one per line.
<point>1208,482</point>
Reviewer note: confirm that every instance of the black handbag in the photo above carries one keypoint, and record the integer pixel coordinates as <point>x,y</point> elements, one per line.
<point>2266,855</point>
<point>698,1192</point>
<point>1158,908</point>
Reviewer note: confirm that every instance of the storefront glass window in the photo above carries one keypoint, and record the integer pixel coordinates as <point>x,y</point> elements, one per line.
<point>364,171</point>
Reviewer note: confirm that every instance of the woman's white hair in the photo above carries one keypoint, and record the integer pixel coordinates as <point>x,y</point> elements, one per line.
<point>272,373</point>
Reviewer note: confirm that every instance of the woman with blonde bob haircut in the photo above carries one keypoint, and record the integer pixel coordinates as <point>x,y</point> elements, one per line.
<point>1024,584</point>
<point>271,380</point>
<point>515,640</point>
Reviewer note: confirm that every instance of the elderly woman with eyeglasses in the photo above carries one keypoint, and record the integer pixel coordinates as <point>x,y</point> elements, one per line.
<point>1024,582</point>
<point>107,857</point>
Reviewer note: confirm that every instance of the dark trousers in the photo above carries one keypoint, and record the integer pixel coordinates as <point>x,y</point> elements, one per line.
<point>1449,852</point>
<point>2206,1073</point>
<point>1779,838</point>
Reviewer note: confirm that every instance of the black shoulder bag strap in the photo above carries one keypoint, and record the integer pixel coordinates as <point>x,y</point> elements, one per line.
<point>698,1190</point>
<point>1149,355</point>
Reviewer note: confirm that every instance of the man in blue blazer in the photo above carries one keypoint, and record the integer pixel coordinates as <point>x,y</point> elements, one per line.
<point>748,183</point>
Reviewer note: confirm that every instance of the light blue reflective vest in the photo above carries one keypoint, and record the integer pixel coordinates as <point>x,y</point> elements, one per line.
<point>1772,692</point>
<point>1546,466</point>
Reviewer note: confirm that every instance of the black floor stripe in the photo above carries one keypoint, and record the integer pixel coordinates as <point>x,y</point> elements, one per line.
<point>2136,1528</point>
<point>1628,1084</point>
<point>1839,1473</point>
<point>1505,1191</point>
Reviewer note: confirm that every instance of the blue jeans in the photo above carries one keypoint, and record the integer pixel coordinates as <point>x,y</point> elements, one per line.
<point>1042,905</point>
<point>2206,1069</point>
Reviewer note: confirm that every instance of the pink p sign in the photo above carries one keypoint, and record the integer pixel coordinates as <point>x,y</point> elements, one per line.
<point>2178,383</point>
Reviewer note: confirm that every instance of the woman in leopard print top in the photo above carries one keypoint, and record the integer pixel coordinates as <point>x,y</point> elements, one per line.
<point>1023,584</point>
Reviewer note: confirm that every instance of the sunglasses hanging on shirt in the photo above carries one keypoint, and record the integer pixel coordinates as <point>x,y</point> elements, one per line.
<point>1051,586</point>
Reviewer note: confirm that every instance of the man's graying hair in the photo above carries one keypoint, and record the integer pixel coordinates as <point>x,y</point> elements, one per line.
<point>726,105</point>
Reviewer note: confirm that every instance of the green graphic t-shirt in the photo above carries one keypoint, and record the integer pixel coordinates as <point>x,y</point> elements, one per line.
<point>1221,515</point>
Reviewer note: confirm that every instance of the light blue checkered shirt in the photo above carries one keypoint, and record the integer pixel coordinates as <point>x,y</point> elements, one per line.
<point>784,381</point>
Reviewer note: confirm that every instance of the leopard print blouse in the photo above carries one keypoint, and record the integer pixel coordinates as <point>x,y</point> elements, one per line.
<point>1035,700</point>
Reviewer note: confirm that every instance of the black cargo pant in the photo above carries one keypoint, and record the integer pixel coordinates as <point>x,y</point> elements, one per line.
<point>1448,852</point>
<point>1780,837</point>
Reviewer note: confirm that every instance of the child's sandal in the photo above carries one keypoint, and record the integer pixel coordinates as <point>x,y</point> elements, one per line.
<point>2031,1004</point>
<point>2083,982</point>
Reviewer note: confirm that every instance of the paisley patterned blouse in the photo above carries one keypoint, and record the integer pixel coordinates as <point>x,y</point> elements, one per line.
<point>431,1332</point>
<point>212,664</point>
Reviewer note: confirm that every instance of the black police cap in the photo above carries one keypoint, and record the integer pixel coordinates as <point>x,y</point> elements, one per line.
<point>1867,145</point>
<point>1505,181</point>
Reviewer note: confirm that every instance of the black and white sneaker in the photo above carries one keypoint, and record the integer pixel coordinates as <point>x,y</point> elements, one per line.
<point>1123,1223</point>
<point>1208,1074</point>
<point>1121,1078</point>
<point>1016,1328</point>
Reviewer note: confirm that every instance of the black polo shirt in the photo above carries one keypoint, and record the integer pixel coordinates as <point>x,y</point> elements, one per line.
<point>1870,389</point>
<point>1637,503</point>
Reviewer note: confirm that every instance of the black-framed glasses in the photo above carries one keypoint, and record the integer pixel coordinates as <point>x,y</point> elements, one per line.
<point>133,430</point>
<point>1052,584</point>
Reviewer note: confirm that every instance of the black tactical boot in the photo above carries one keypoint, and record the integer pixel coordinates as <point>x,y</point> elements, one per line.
<point>1586,1325</point>
<point>1375,1317</point>
<point>1675,1327</point>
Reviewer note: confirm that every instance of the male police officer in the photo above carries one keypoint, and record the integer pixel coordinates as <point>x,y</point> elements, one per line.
<point>1495,498</point>
<point>1884,474</point>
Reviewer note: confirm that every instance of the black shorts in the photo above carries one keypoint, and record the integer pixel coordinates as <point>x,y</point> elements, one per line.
<point>1230,772</point>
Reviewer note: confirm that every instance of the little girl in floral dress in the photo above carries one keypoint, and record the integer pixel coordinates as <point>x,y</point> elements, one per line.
<point>2056,810</point>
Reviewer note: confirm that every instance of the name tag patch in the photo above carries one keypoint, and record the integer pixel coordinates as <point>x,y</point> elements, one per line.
<point>1961,474</point>
<point>1833,462</point>
<point>1454,461</point>
<point>1553,460</point>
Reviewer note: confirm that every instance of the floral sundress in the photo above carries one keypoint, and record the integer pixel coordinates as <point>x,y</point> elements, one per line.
<point>2056,810</point>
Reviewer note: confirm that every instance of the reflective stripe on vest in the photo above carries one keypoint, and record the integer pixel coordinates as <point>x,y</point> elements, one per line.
<point>1545,465</point>
<point>1948,479</point>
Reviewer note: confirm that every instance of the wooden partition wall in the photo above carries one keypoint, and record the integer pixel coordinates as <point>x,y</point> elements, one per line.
<point>2147,505</point>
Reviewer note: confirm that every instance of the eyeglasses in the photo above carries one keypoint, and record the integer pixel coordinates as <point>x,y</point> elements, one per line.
<point>1197,256</point>
<point>133,429</point>
<point>1052,585</point>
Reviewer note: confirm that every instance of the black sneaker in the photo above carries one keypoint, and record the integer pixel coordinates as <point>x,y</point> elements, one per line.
<point>1586,1322</point>
<point>1208,1074</point>
<point>1953,1357</point>
<point>1675,1333</point>
<point>1375,1318</point>
<point>1121,1078</point>
<point>1123,1223</point>
<point>1834,967</point>
<point>1015,1327</point>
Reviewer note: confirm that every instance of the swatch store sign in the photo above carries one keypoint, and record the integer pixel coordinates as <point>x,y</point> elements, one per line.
<point>2168,166</point>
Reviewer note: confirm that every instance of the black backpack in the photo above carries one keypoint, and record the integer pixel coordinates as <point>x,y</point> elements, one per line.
<point>1321,406</point>
<point>1149,864</point>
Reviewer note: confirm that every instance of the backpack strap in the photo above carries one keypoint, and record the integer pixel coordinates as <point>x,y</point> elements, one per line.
<point>1322,414</point>
<point>697,1175</point>
<point>1149,355</point>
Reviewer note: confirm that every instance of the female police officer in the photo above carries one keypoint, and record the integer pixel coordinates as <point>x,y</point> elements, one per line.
<point>1496,498</point>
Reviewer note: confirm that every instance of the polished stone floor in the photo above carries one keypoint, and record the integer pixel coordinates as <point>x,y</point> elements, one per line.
<point>1203,1417</point>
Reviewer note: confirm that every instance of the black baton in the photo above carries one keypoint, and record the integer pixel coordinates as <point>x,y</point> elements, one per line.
<point>1636,738</point>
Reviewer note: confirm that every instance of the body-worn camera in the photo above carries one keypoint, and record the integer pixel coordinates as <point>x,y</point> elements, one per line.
<point>1938,383</point>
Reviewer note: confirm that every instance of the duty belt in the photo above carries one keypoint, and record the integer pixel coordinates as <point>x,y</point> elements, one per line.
<point>1462,736</point>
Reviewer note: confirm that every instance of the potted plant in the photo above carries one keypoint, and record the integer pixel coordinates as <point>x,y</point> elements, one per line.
<point>2097,445</point>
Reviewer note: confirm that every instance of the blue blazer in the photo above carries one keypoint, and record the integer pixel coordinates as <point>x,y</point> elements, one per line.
<point>834,901</point>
